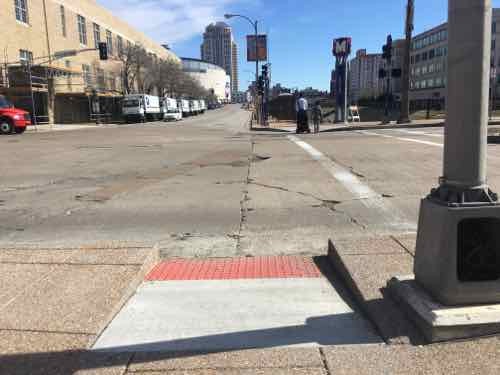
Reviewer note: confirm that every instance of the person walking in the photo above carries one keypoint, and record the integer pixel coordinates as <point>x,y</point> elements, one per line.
<point>301,106</point>
<point>317,115</point>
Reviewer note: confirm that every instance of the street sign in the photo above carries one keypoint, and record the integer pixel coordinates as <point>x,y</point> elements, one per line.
<point>342,47</point>
<point>261,49</point>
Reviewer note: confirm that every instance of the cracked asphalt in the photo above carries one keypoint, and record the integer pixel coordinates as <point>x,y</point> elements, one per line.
<point>207,187</point>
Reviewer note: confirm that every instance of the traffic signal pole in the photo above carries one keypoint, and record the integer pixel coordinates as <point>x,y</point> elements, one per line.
<point>457,257</point>
<point>404,116</point>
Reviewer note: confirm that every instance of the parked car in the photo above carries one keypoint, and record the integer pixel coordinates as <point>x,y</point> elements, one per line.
<point>141,108</point>
<point>12,120</point>
<point>171,110</point>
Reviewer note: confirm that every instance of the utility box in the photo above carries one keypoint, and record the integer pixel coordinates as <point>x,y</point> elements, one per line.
<point>457,257</point>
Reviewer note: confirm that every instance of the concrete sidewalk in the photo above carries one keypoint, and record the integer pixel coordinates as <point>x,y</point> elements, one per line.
<point>45,128</point>
<point>326,127</point>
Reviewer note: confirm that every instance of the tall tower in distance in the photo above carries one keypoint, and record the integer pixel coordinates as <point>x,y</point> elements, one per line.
<point>219,48</point>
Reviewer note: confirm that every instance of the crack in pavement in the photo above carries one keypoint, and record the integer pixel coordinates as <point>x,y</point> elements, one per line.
<point>325,203</point>
<point>243,207</point>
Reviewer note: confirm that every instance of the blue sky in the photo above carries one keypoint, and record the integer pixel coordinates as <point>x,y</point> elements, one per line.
<point>300,31</point>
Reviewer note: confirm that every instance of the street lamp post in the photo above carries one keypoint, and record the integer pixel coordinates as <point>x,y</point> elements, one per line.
<point>255,25</point>
<point>457,258</point>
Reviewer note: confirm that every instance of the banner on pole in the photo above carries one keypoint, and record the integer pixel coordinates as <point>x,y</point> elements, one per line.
<point>261,49</point>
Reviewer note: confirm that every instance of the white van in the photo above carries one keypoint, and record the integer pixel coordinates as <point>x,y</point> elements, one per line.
<point>203,106</point>
<point>184,106</point>
<point>141,108</point>
<point>194,105</point>
<point>171,111</point>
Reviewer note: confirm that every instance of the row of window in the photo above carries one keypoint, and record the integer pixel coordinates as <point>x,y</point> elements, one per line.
<point>21,10</point>
<point>428,40</point>
<point>429,55</point>
<point>428,69</point>
<point>438,82</point>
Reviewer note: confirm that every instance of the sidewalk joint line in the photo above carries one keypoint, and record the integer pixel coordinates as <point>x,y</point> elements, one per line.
<point>47,331</point>
<point>325,362</point>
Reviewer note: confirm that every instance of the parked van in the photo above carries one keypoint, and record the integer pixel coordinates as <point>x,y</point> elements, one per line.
<point>203,106</point>
<point>194,105</point>
<point>171,111</point>
<point>184,106</point>
<point>141,108</point>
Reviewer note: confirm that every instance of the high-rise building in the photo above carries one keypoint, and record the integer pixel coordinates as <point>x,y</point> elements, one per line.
<point>363,76</point>
<point>219,48</point>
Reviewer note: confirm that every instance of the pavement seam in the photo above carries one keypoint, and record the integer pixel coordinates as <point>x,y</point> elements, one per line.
<point>73,264</point>
<point>243,207</point>
<point>403,246</point>
<point>325,362</point>
<point>48,331</point>
<point>215,367</point>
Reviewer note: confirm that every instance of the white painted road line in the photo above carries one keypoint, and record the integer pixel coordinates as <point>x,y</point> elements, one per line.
<point>371,199</point>
<point>417,132</point>
<point>403,139</point>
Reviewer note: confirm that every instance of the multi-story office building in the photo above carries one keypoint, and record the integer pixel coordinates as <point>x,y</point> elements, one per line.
<point>45,33</point>
<point>219,48</point>
<point>428,70</point>
<point>364,82</point>
<point>211,77</point>
<point>428,62</point>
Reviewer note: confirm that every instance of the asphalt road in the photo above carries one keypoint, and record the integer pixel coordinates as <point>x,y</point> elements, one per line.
<point>207,187</point>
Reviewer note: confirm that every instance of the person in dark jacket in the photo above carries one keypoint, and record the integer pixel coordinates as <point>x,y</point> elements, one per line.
<point>301,106</point>
<point>317,115</point>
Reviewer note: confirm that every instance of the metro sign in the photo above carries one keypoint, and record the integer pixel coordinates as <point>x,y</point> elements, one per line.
<point>342,47</point>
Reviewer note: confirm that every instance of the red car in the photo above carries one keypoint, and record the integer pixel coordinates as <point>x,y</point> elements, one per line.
<point>12,120</point>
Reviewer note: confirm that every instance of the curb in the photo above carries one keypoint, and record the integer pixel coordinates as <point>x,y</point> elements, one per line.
<point>151,260</point>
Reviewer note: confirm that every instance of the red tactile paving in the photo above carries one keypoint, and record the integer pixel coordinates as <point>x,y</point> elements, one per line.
<point>232,269</point>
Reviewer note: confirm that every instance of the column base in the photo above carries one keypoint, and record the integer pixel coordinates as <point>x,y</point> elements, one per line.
<point>457,257</point>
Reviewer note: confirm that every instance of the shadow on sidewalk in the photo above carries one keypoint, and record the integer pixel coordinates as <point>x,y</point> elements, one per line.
<point>326,330</point>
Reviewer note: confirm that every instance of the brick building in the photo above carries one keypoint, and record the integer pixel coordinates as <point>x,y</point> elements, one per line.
<point>39,31</point>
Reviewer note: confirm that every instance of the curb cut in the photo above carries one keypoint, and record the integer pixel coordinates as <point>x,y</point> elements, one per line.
<point>151,260</point>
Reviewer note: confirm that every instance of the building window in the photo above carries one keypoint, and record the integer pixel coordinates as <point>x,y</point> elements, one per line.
<point>439,52</point>
<point>424,69</point>
<point>430,82</point>
<point>431,68</point>
<point>82,30</point>
<point>97,35</point>
<point>109,41</point>
<point>493,44</point>
<point>87,79</point>
<point>101,79</point>
<point>119,45</point>
<point>63,20</point>
<point>439,82</point>
<point>25,56</point>
<point>417,71</point>
<point>494,27</point>
<point>424,56</point>
<point>423,84</point>
<point>444,34</point>
<point>432,53</point>
<point>417,58</point>
<point>21,10</point>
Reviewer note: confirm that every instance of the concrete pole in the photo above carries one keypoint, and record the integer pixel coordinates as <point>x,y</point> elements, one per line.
<point>466,128</point>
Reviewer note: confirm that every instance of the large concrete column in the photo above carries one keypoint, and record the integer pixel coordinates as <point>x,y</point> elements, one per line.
<point>457,258</point>
<point>466,128</point>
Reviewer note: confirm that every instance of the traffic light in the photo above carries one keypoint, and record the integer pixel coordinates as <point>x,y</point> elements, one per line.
<point>103,51</point>
<point>260,86</point>
<point>387,49</point>
<point>265,71</point>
